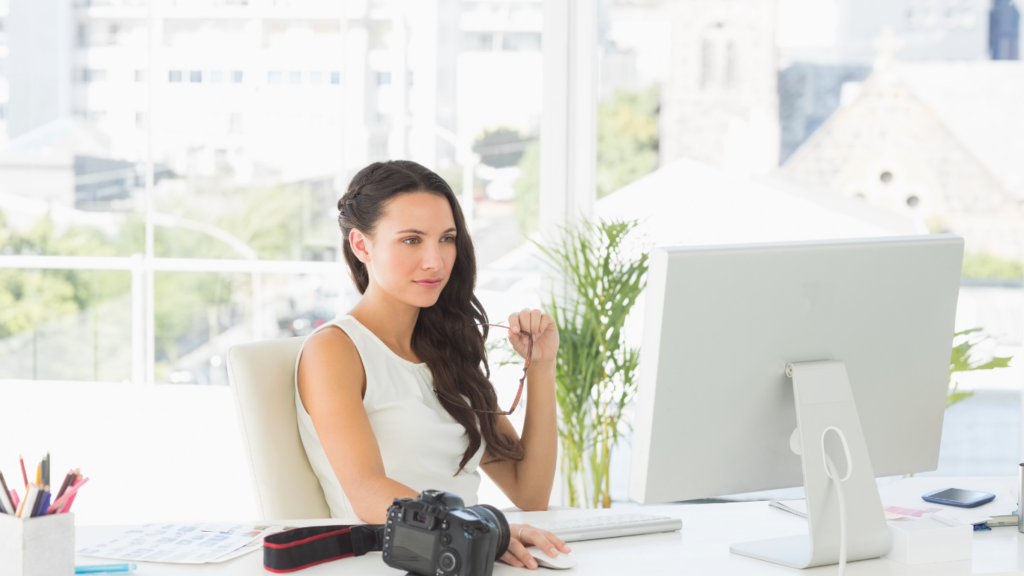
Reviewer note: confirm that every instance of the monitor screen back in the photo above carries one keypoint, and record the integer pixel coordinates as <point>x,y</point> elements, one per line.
<point>715,409</point>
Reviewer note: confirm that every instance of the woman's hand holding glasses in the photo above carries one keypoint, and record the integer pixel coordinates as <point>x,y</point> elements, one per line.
<point>533,336</point>
<point>543,330</point>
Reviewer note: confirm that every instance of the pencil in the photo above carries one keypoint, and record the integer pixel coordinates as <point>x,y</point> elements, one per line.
<point>71,492</point>
<point>23,474</point>
<point>33,510</point>
<point>39,474</point>
<point>46,471</point>
<point>73,477</point>
<point>78,479</point>
<point>67,481</point>
<point>6,496</point>
<point>42,505</point>
<point>30,501</point>
<point>21,504</point>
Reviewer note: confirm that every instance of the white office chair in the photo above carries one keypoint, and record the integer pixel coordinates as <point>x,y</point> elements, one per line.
<point>262,377</point>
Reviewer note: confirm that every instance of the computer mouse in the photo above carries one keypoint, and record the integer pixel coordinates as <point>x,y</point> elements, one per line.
<point>560,562</point>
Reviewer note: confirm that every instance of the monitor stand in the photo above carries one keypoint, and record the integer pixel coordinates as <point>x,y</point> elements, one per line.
<point>824,403</point>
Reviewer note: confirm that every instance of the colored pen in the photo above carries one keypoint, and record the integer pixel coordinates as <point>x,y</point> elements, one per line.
<point>23,474</point>
<point>44,504</point>
<point>66,483</point>
<point>30,501</point>
<point>73,477</point>
<point>66,507</point>
<point>70,492</point>
<point>6,496</point>
<point>39,474</point>
<point>105,568</point>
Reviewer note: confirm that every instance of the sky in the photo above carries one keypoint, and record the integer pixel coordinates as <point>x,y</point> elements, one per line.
<point>806,23</point>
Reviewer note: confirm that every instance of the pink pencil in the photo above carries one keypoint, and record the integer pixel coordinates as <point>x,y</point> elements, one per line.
<point>66,507</point>
<point>14,498</point>
<point>68,494</point>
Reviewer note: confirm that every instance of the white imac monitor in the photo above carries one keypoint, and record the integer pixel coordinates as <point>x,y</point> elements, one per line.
<point>754,353</point>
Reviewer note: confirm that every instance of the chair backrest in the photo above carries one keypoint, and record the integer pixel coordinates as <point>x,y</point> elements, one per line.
<point>262,376</point>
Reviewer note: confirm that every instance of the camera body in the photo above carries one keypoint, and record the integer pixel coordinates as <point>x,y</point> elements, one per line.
<point>434,534</point>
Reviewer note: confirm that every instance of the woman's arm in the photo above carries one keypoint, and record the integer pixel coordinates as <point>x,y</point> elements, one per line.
<point>528,483</point>
<point>332,382</point>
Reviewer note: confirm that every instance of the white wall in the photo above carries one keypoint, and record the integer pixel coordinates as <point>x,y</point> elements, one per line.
<point>152,452</point>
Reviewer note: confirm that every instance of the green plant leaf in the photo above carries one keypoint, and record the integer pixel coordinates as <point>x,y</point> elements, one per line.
<point>962,360</point>
<point>595,369</point>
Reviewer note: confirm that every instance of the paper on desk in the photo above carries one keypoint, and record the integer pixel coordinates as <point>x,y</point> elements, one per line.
<point>903,513</point>
<point>183,543</point>
<point>798,507</point>
<point>251,546</point>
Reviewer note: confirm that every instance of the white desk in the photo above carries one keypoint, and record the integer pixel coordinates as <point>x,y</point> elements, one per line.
<point>701,548</point>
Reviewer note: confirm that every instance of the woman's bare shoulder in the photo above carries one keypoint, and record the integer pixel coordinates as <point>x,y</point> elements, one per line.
<point>330,359</point>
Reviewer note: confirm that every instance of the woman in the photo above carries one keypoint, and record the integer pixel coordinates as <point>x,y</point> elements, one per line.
<point>394,397</point>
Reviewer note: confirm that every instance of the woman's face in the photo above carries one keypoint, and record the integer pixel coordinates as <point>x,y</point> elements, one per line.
<point>412,251</point>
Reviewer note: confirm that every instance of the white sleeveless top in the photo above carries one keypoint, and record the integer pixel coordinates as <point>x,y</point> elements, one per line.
<point>420,443</point>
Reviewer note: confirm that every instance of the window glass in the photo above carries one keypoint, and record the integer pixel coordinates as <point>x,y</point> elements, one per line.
<point>254,121</point>
<point>886,115</point>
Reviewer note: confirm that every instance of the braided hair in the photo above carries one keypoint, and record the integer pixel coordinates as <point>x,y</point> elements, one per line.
<point>457,357</point>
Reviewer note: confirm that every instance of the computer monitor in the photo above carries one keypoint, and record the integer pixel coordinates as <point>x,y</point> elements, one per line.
<point>716,411</point>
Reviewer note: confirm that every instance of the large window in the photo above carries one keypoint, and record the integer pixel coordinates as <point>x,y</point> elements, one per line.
<point>169,172</point>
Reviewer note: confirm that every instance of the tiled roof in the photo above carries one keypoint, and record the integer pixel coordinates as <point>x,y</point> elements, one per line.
<point>982,103</point>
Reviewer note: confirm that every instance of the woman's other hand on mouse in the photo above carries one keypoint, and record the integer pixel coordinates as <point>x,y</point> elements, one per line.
<point>523,535</point>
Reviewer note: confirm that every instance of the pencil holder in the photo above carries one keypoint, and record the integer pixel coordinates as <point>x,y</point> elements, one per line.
<point>41,546</point>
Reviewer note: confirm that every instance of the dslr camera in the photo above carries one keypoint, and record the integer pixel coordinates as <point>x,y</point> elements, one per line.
<point>435,534</point>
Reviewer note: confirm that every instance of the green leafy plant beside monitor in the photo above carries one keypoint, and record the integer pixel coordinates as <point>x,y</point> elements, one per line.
<point>596,370</point>
<point>964,359</point>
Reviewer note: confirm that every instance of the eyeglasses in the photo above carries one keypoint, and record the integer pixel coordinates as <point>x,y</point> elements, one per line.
<point>522,381</point>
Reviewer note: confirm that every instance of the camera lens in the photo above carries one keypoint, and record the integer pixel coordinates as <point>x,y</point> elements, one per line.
<point>495,517</point>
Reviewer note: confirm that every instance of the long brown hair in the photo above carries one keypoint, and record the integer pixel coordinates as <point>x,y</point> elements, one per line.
<point>455,354</point>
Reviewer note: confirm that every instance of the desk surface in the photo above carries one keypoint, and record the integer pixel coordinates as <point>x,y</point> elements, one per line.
<point>702,547</point>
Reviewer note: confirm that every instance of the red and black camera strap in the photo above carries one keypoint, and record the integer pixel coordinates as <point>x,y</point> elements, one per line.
<point>300,548</point>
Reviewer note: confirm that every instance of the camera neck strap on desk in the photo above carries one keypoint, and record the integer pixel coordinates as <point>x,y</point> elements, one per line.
<point>300,548</point>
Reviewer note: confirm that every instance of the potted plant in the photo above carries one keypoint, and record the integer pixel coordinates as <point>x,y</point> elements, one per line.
<point>602,274</point>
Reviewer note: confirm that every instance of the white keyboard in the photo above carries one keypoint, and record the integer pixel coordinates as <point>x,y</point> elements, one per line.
<point>611,526</point>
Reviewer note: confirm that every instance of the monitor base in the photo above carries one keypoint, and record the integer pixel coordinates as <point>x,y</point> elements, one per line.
<point>824,405</point>
<point>791,551</point>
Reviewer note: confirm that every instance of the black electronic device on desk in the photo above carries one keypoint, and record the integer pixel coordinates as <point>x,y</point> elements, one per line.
<point>436,534</point>
<point>959,497</point>
<point>433,534</point>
